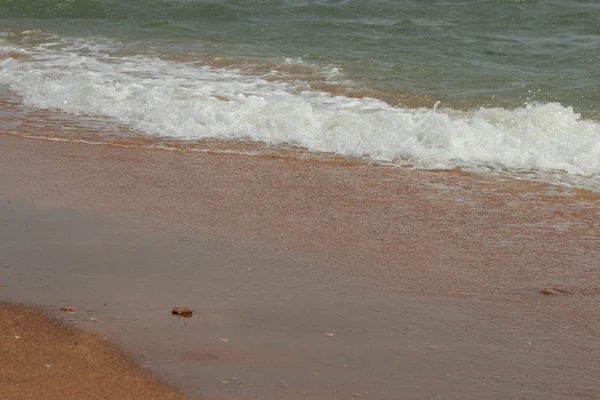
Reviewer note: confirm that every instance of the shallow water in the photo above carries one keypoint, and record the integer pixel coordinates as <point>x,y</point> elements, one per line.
<point>502,87</point>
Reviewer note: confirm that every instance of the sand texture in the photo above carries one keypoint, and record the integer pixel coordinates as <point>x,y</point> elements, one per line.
<point>308,279</point>
<point>43,359</point>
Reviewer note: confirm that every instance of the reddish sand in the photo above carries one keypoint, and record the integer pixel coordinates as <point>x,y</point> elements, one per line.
<point>42,359</point>
<point>428,282</point>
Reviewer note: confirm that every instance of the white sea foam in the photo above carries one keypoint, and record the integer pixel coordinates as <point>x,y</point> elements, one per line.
<point>185,100</point>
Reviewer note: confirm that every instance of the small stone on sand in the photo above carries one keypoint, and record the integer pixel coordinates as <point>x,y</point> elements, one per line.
<point>552,292</point>
<point>182,312</point>
<point>68,309</point>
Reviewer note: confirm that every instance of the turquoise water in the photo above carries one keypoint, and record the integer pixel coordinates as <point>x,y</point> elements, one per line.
<point>487,85</point>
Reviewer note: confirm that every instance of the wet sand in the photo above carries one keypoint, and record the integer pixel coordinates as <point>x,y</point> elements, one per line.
<point>309,280</point>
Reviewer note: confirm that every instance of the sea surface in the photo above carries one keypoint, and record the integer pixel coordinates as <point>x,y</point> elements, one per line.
<point>507,87</point>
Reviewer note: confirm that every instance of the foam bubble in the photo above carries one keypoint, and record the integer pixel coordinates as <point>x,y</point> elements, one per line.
<point>189,101</point>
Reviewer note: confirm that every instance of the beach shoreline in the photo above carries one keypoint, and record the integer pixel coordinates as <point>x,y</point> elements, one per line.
<point>308,279</point>
<point>42,358</point>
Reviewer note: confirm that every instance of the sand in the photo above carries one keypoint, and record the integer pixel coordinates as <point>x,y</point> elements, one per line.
<point>308,279</point>
<point>43,359</point>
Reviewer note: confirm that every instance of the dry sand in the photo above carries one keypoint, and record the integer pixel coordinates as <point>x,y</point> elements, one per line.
<point>43,359</point>
<point>309,280</point>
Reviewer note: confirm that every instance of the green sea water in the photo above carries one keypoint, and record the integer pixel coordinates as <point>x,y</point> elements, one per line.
<point>464,53</point>
<point>509,87</point>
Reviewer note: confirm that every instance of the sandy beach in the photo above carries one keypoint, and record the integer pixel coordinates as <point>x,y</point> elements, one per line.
<point>308,279</point>
<point>42,358</point>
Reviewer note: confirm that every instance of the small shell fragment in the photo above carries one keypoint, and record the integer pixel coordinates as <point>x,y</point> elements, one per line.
<point>68,309</point>
<point>182,312</point>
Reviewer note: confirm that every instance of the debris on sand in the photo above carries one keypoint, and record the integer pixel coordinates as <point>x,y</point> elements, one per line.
<point>182,312</point>
<point>552,291</point>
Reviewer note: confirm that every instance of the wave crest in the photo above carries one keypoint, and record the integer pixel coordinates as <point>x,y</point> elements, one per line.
<point>188,101</point>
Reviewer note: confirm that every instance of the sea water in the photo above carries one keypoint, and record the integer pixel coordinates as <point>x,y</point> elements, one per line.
<point>492,86</point>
